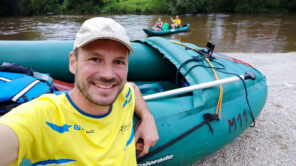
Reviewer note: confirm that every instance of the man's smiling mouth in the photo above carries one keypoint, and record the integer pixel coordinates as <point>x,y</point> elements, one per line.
<point>104,86</point>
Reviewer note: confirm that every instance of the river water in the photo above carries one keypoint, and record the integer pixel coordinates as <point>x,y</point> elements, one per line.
<point>230,32</point>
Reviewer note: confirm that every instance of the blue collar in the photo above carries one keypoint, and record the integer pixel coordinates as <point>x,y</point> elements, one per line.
<point>84,113</point>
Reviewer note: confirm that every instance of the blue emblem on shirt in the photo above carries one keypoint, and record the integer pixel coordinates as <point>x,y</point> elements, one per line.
<point>129,141</point>
<point>53,162</point>
<point>60,129</point>
<point>128,97</point>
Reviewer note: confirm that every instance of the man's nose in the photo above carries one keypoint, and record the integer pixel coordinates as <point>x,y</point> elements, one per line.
<point>107,72</point>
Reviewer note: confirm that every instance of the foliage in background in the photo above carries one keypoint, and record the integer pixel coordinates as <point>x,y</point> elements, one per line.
<point>43,7</point>
<point>230,6</point>
<point>37,7</point>
<point>9,7</point>
<point>134,6</point>
<point>80,6</point>
<point>189,6</point>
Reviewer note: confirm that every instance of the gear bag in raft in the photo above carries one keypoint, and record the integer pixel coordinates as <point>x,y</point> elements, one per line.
<point>17,88</point>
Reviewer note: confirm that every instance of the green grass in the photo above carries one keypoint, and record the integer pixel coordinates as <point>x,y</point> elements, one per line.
<point>135,7</point>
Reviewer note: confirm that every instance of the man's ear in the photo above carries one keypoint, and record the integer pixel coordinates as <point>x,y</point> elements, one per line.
<point>72,63</point>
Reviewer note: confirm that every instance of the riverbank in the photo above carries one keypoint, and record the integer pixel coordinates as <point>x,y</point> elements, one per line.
<point>42,7</point>
<point>273,140</point>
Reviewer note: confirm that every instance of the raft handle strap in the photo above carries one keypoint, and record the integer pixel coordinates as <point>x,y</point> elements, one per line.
<point>210,117</point>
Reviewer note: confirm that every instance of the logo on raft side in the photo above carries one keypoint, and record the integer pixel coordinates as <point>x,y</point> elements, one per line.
<point>157,161</point>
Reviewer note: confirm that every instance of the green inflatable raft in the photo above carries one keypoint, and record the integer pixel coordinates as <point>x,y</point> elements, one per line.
<point>152,32</point>
<point>207,99</point>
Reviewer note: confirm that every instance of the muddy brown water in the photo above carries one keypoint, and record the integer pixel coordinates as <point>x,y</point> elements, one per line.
<point>230,32</point>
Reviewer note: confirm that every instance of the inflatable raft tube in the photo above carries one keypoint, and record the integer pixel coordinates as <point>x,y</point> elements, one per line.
<point>51,56</point>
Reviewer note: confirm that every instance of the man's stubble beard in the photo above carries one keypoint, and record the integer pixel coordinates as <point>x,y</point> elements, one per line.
<point>83,90</point>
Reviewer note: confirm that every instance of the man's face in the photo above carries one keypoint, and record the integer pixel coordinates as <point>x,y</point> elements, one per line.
<point>100,70</point>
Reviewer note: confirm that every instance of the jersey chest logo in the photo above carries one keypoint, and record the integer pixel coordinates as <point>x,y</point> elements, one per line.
<point>57,128</point>
<point>66,128</point>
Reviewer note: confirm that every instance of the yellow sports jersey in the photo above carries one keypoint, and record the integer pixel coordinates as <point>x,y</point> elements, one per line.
<point>52,130</point>
<point>177,21</point>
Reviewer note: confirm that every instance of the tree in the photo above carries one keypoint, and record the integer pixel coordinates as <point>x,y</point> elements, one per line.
<point>9,7</point>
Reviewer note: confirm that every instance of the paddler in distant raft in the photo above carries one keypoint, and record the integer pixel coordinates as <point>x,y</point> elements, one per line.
<point>93,123</point>
<point>158,25</point>
<point>176,22</point>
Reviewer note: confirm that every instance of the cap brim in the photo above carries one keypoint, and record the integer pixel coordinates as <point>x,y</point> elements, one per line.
<point>111,38</point>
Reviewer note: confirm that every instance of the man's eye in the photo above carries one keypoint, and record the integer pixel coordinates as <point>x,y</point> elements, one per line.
<point>95,59</point>
<point>120,62</point>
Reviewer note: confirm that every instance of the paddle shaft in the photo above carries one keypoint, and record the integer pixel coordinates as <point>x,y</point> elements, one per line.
<point>195,87</point>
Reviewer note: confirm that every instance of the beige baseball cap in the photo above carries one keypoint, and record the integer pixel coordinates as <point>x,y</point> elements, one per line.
<point>101,28</point>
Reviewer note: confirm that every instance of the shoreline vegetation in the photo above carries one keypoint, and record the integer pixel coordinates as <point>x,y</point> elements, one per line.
<point>51,7</point>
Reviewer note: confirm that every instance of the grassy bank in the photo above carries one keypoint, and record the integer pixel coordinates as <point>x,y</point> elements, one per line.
<point>43,7</point>
<point>135,7</point>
